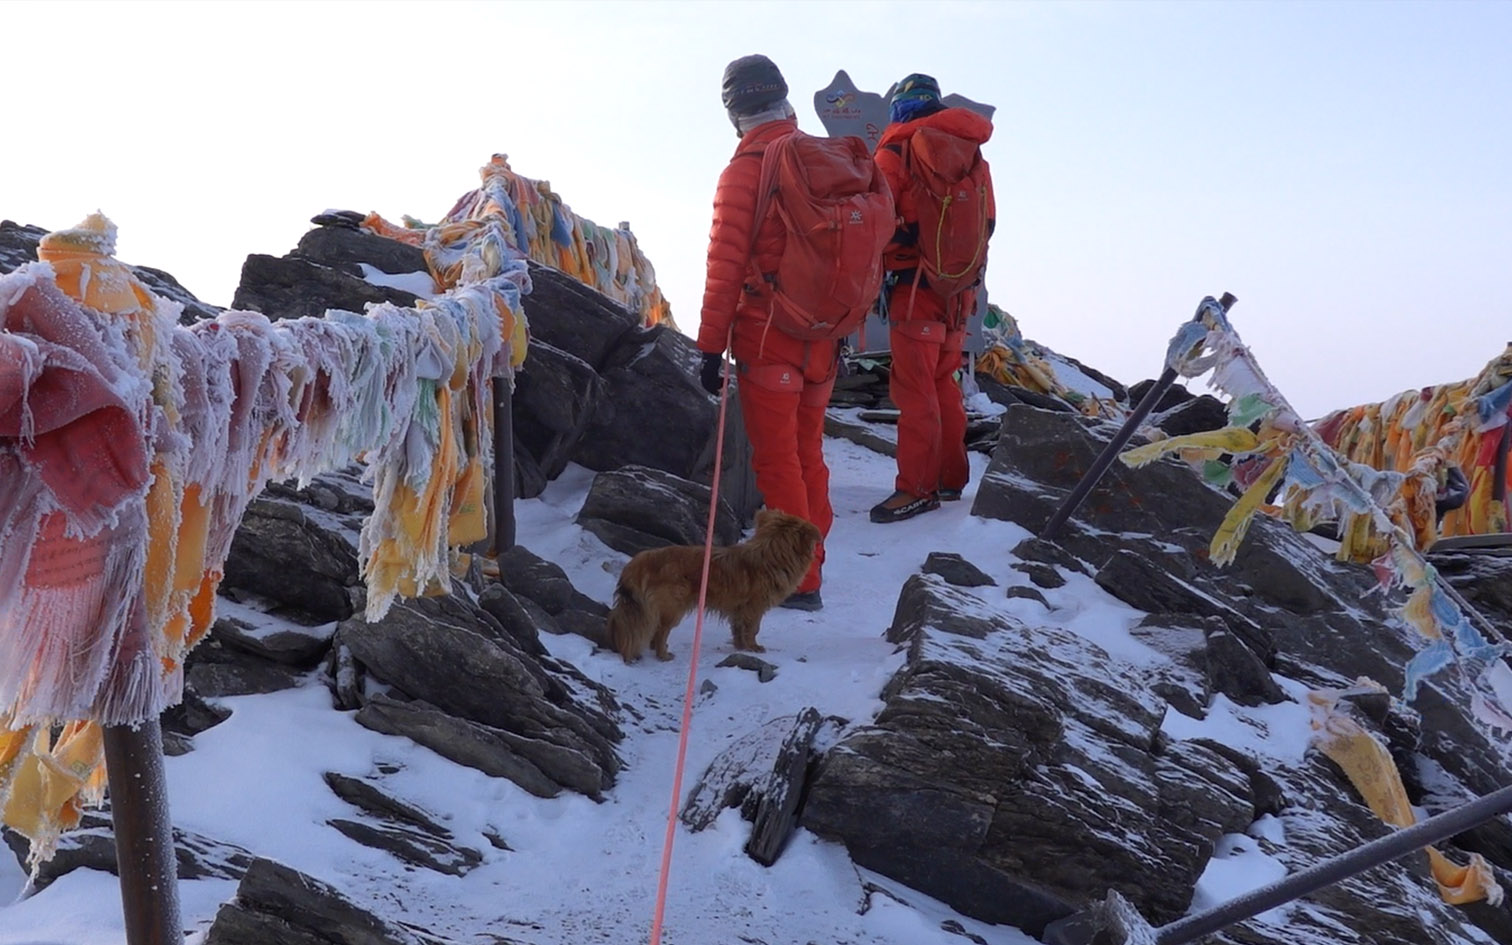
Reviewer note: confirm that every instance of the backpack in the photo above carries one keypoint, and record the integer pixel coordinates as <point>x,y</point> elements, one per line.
<point>952,194</point>
<point>839,216</point>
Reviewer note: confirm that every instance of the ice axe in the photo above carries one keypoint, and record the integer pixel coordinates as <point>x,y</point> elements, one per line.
<point>1115,922</point>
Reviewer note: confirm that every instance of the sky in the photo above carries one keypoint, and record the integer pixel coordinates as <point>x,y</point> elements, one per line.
<point>581,873</point>
<point>1340,167</point>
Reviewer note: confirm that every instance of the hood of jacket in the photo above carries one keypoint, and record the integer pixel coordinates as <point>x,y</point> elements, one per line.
<point>961,122</point>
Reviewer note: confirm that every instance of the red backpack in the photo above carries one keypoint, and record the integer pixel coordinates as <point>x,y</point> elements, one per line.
<point>839,215</point>
<point>952,194</point>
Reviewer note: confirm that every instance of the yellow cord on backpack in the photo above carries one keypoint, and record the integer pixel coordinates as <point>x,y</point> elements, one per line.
<point>940,233</point>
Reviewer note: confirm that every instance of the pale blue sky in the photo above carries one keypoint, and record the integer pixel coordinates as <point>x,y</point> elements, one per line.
<point>1341,167</point>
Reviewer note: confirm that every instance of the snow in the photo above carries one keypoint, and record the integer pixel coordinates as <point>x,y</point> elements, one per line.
<point>582,872</point>
<point>418,284</point>
<point>1073,378</point>
<point>1239,866</point>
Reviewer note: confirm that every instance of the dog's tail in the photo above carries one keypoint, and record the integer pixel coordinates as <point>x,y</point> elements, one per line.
<point>625,618</point>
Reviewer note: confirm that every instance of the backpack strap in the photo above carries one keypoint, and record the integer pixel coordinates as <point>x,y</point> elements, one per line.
<point>764,187</point>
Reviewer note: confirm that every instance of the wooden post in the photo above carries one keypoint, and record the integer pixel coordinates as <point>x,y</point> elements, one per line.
<point>145,856</point>
<point>1499,470</point>
<point>504,476</point>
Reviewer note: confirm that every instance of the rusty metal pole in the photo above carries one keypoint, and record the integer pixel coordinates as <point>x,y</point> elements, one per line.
<point>1105,459</point>
<point>504,476</point>
<point>145,857</point>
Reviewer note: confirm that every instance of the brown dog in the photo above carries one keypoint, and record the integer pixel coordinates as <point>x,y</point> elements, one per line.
<point>659,586</point>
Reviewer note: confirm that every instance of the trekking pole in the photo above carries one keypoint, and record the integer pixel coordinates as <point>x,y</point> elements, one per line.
<point>145,858</point>
<point>1105,458</point>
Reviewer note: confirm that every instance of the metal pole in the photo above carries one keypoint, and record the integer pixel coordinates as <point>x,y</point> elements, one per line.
<point>504,477</point>
<point>1105,458</point>
<point>1330,871</point>
<point>145,857</point>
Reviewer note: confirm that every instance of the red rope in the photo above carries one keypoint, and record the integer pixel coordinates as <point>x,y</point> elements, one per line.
<point>687,716</point>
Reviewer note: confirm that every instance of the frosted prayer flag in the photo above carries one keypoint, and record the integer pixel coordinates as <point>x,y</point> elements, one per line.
<point>130,447</point>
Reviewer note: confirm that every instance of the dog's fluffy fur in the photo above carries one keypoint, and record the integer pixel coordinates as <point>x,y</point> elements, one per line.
<point>659,586</point>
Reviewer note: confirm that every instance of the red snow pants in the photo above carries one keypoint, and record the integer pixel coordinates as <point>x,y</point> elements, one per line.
<point>783,407</point>
<point>926,353</point>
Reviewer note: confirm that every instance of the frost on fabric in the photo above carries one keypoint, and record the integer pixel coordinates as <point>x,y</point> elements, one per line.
<point>216,410</point>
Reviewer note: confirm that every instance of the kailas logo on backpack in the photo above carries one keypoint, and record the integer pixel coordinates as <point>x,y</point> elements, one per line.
<point>838,213</point>
<point>952,194</point>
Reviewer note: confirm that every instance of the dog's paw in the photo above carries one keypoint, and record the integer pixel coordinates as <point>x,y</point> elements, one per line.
<point>664,655</point>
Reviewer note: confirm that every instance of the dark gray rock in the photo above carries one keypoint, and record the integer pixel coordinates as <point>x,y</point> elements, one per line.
<point>764,774</point>
<point>845,427</point>
<point>1201,413</point>
<point>1235,671</point>
<point>1147,582</point>
<point>1484,580</point>
<point>1282,606</point>
<point>294,548</point>
<point>653,411</point>
<point>1048,552</point>
<point>774,805</point>
<point>369,795</point>
<point>410,846</point>
<point>1032,593</point>
<point>1043,575</point>
<point>513,616</point>
<point>1266,794</point>
<point>1183,681</point>
<point>292,287</point>
<point>92,846</point>
<point>956,570</point>
<point>18,244</point>
<point>1009,395</point>
<point>765,672</point>
<point>215,670</point>
<point>635,508</point>
<point>556,394</point>
<point>1000,750</point>
<point>530,481</point>
<point>345,247</point>
<point>536,581</point>
<point>1174,396</point>
<point>574,318</point>
<point>487,748</point>
<point>192,714</point>
<point>289,644</point>
<point>461,667</point>
<point>928,600</point>
<point>275,903</point>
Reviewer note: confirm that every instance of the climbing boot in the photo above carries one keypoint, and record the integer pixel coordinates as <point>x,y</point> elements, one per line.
<point>901,505</point>
<point>806,600</point>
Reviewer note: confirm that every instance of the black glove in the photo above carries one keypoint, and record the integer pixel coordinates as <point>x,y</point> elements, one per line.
<point>709,373</point>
